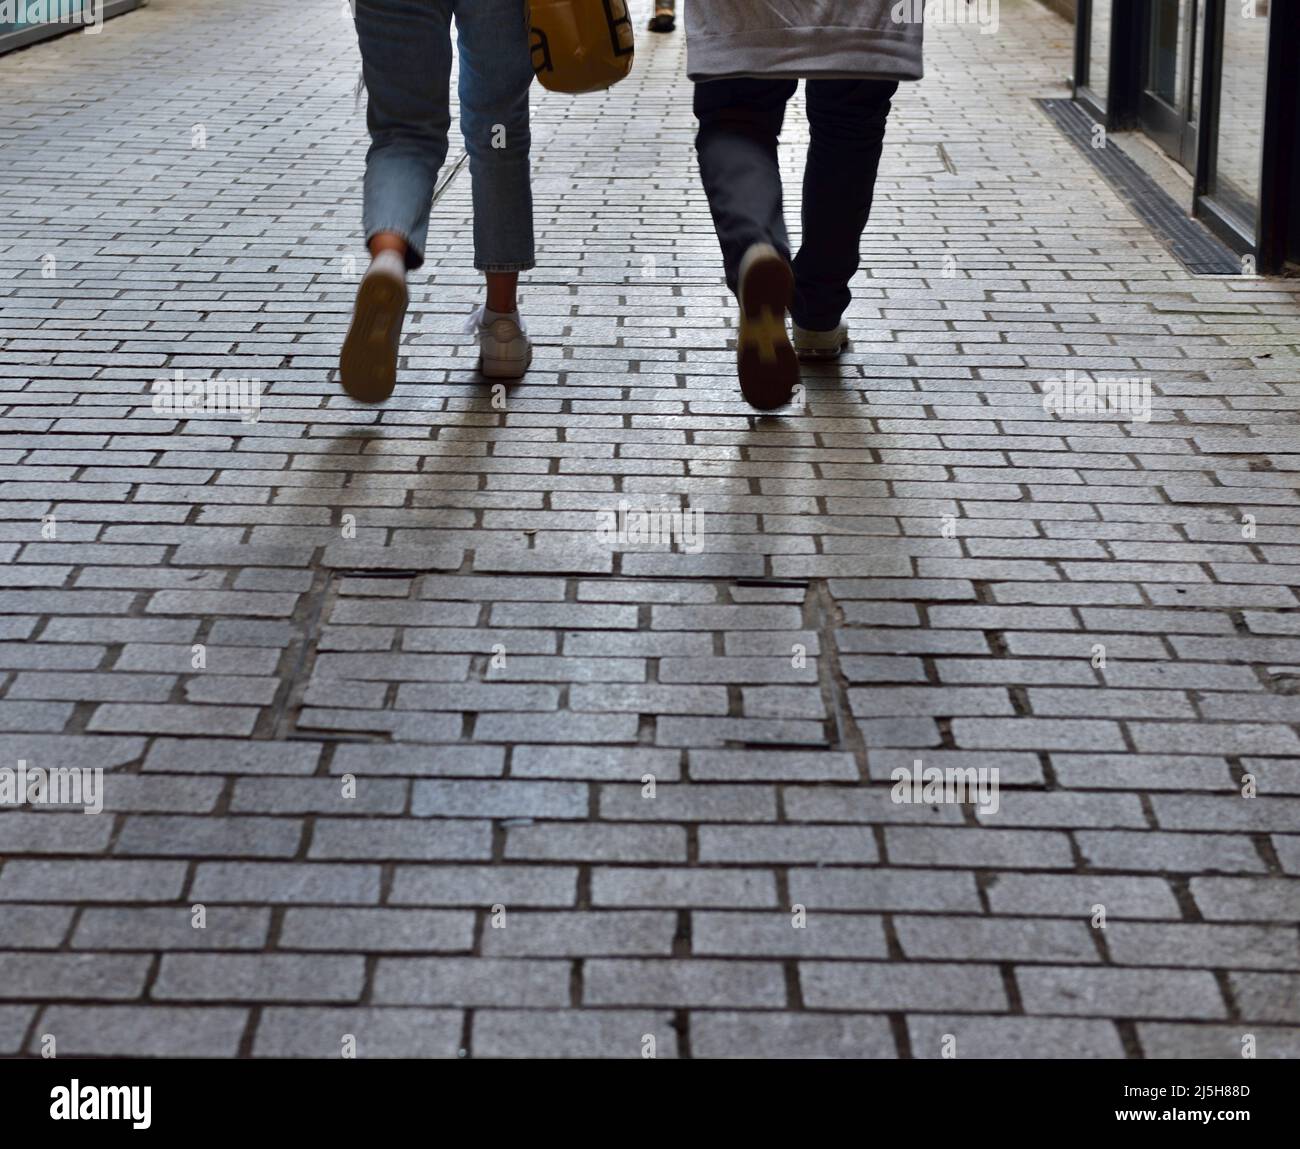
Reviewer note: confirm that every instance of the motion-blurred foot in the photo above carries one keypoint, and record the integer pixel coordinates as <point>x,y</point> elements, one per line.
<point>368,361</point>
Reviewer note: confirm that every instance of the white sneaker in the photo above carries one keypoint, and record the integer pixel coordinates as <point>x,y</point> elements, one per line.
<point>368,361</point>
<point>821,344</point>
<point>504,346</point>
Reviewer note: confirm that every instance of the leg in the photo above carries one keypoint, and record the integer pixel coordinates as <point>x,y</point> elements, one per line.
<point>406,63</point>
<point>496,71</point>
<point>388,241</point>
<point>847,118</point>
<point>740,121</point>
<point>501,291</point>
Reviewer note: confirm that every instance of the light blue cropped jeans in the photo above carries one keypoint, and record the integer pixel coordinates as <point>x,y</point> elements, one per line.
<point>406,63</point>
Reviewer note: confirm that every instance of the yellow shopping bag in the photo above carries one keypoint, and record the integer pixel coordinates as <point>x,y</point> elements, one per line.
<point>581,45</point>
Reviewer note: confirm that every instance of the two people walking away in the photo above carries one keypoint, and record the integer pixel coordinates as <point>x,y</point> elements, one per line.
<point>406,60</point>
<point>746,59</point>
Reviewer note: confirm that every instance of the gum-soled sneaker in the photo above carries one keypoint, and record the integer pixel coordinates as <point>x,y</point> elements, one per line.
<point>820,344</point>
<point>765,360</point>
<point>504,346</point>
<point>368,362</point>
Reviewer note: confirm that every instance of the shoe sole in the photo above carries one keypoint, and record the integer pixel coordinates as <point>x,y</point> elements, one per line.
<point>368,361</point>
<point>766,362</point>
<point>821,352</point>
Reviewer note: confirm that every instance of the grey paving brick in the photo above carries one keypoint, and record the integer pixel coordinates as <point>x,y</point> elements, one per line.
<point>771,766</point>
<point>1074,895</point>
<point>1003,849</point>
<point>688,802</point>
<point>551,1033</point>
<point>808,844</point>
<point>487,886</point>
<point>143,1031</point>
<point>26,832</point>
<point>1151,850</point>
<point>211,837</point>
<point>259,977</point>
<point>641,886</point>
<point>563,841</point>
<point>418,761</point>
<point>377,930</point>
<point>137,793</point>
<point>1246,899</point>
<point>317,796</point>
<point>1166,1041</point>
<point>952,891</point>
<point>381,839</point>
<point>472,981</point>
<point>626,981</point>
<point>499,799</point>
<point>1267,996</point>
<point>91,881</point>
<point>63,976</point>
<point>587,934</point>
<point>774,934</point>
<point>1018,1038</point>
<point>14,1020</point>
<point>997,939</point>
<point>272,882</point>
<point>34,926</point>
<point>172,928</point>
<point>888,986</point>
<point>603,763</point>
<point>365,1033</point>
<point>716,1034</point>
<point>822,804</point>
<point>1084,991</point>
<point>1203,946</point>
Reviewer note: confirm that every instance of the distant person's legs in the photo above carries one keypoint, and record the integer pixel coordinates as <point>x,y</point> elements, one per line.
<point>740,122</point>
<point>664,19</point>
<point>847,121</point>
<point>496,71</point>
<point>406,65</point>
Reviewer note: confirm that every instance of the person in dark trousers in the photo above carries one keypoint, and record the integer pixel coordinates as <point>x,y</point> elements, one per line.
<point>746,60</point>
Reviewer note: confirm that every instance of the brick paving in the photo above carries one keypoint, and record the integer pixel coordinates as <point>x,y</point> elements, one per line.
<point>449,770</point>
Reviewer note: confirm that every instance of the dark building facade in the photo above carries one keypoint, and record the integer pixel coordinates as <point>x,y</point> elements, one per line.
<point>1216,85</point>
<point>24,22</point>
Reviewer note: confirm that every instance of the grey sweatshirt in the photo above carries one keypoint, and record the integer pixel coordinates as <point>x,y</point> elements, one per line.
<point>822,39</point>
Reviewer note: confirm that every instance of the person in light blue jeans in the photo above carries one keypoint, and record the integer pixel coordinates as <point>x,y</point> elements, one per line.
<point>406,56</point>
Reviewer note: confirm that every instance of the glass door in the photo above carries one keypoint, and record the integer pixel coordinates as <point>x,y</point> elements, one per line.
<point>1169,102</point>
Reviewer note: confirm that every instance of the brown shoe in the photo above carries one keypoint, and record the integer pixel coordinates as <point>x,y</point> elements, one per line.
<point>766,361</point>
